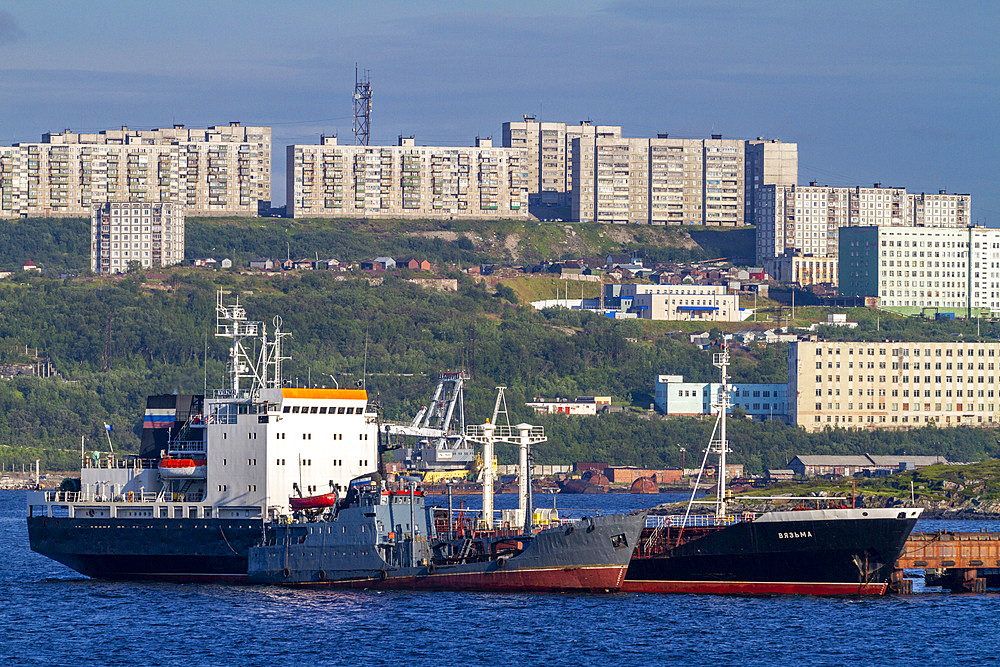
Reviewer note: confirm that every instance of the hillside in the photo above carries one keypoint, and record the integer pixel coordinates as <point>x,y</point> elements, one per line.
<point>62,245</point>
<point>115,340</point>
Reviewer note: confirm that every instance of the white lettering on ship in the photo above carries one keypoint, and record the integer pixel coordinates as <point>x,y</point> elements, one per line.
<point>793,536</point>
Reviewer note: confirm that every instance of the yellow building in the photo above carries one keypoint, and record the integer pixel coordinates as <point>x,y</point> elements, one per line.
<point>892,384</point>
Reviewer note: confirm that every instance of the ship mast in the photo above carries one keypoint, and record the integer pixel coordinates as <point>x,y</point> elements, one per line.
<point>721,446</point>
<point>262,372</point>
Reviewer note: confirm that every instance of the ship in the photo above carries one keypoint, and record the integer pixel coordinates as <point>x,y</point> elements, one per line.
<point>833,550</point>
<point>211,469</point>
<point>384,536</point>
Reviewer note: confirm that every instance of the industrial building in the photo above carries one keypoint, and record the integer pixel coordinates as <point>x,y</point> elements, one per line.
<point>140,234</point>
<point>221,170</point>
<point>583,405</point>
<point>826,465</point>
<point>406,181</point>
<point>923,270</point>
<point>892,384</point>
<point>673,396</point>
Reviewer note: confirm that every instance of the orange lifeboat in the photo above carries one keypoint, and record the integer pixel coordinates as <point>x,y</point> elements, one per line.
<point>182,468</point>
<point>313,502</point>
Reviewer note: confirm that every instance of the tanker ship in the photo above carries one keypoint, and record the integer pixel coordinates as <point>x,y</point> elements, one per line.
<point>839,550</point>
<point>210,472</point>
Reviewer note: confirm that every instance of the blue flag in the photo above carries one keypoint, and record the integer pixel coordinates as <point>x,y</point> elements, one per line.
<point>109,428</point>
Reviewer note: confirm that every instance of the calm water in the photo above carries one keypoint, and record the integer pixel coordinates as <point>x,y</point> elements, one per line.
<point>51,615</point>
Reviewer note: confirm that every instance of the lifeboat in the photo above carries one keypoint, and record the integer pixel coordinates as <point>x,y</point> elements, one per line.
<point>182,468</point>
<point>313,502</point>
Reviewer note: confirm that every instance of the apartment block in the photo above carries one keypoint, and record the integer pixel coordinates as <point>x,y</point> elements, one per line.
<point>148,233</point>
<point>806,219</point>
<point>221,170</point>
<point>661,181</point>
<point>923,270</point>
<point>892,384</point>
<point>768,162</point>
<point>406,181</point>
<point>704,303</point>
<point>548,148</point>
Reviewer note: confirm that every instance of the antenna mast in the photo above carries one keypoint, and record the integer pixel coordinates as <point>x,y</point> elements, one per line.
<point>362,107</point>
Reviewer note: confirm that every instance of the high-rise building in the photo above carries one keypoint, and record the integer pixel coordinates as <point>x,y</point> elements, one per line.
<point>805,220</point>
<point>923,270</point>
<point>222,170</point>
<point>549,156</point>
<point>892,384</point>
<point>148,234</point>
<point>768,162</point>
<point>663,181</point>
<point>406,181</point>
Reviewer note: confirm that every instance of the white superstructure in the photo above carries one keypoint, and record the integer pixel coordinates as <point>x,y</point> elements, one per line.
<point>254,445</point>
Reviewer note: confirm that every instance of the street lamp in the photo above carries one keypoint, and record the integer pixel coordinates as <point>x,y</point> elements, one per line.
<point>682,451</point>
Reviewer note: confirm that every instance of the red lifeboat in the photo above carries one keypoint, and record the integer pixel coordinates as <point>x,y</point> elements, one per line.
<point>313,502</point>
<point>171,467</point>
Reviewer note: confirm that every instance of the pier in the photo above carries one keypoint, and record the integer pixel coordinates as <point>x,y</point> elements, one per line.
<point>958,561</point>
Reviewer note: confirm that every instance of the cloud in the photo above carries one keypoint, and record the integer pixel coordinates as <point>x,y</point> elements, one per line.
<point>10,31</point>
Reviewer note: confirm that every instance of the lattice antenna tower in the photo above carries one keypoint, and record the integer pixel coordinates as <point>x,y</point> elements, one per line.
<point>362,106</point>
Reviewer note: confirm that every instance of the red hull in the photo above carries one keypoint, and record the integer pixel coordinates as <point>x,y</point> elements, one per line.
<point>754,587</point>
<point>596,579</point>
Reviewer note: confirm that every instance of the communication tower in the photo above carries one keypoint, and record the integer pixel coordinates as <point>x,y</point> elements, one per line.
<point>362,106</point>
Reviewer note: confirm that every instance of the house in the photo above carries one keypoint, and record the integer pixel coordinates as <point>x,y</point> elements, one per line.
<point>781,474</point>
<point>302,265</point>
<point>6,274</point>
<point>262,264</point>
<point>383,263</point>
<point>206,262</point>
<point>623,261</point>
<point>226,263</point>
<point>30,266</point>
<point>583,405</point>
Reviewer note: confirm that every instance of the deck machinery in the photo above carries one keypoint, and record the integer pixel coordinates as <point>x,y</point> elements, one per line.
<point>439,428</point>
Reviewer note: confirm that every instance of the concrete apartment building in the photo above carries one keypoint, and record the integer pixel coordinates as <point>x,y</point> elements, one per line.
<point>923,270</point>
<point>221,170</point>
<point>549,156</point>
<point>768,162</point>
<point>804,220</point>
<point>892,384</point>
<point>702,303</point>
<point>660,181</point>
<point>148,233</point>
<point>673,396</point>
<point>406,181</point>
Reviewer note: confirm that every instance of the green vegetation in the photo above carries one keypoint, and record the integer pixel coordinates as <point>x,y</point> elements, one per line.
<point>943,485</point>
<point>160,328</point>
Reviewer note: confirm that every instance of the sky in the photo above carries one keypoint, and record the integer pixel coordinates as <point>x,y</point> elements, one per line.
<point>901,93</point>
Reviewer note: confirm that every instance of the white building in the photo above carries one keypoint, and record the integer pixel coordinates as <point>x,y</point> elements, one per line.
<point>149,234</point>
<point>709,303</point>
<point>673,396</point>
<point>916,270</point>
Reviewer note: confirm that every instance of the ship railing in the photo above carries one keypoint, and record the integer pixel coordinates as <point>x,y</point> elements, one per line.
<point>71,497</point>
<point>187,446</point>
<point>112,462</point>
<point>696,520</point>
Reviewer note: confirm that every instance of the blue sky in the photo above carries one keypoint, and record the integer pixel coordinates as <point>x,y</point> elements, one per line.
<point>903,93</point>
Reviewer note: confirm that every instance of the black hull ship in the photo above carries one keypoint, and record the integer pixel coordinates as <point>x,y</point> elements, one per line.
<point>818,552</point>
<point>835,551</point>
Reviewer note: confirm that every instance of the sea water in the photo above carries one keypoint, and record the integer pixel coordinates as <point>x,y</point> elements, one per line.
<point>50,615</point>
